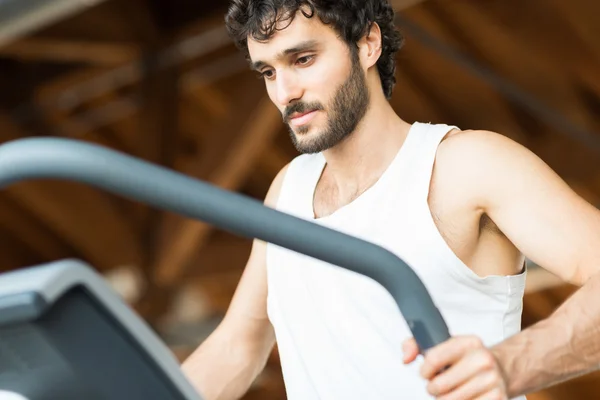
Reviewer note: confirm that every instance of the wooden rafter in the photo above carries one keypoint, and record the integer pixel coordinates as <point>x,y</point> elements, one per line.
<point>15,253</point>
<point>450,83</point>
<point>228,171</point>
<point>524,66</point>
<point>580,16</point>
<point>410,98</point>
<point>272,161</point>
<point>443,83</point>
<point>400,5</point>
<point>143,21</point>
<point>211,99</point>
<point>86,219</point>
<point>17,222</point>
<point>70,51</point>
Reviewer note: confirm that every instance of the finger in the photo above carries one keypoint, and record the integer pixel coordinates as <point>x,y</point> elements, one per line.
<point>459,373</point>
<point>480,387</point>
<point>410,348</point>
<point>447,353</point>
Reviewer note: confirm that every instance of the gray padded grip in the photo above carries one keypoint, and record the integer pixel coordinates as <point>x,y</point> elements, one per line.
<point>127,176</point>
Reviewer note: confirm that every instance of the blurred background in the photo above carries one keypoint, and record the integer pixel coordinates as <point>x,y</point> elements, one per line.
<point>160,80</point>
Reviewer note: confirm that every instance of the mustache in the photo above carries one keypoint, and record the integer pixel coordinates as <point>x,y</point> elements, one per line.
<point>300,108</point>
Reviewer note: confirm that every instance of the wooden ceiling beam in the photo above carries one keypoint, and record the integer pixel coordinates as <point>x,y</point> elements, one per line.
<point>19,223</point>
<point>60,116</point>
<point>98,114</point>
<point>410,98</point>
<point>15,253</point>
<point>564,46</point>
<point>211,99</point>
<point>158,130</point>
<point>208,289</point>
<point>141,17</point>
<point>400,5</point>
<point>227,166</point>
<point>194,119</point>
<point>158,136</point>
<point>524,66</point>
<point>82,216</point>
<point>191,44</point>
<point>581,17</point>
<point>70,51</point>
<point>114,79</point>
<point>110,135</point>
<point>273,160</point>
<point>443,85</point>
<point>576,164</point>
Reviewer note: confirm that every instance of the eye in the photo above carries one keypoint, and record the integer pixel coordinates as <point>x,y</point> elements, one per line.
<point>267,74</point>
<point>304,60</point>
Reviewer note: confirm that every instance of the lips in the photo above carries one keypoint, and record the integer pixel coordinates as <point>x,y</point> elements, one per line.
<point>299,119</point>
<point>298,115</point>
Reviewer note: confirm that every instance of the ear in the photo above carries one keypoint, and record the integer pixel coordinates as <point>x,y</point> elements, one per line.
<point>370,46</point>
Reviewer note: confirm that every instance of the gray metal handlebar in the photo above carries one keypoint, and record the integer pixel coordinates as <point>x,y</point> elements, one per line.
<point>127,176</point>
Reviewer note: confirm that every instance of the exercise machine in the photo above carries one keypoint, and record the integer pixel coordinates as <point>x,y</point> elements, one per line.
<point>65,334</point>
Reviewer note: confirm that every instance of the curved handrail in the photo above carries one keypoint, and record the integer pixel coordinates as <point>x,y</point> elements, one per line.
<point>127,176</point>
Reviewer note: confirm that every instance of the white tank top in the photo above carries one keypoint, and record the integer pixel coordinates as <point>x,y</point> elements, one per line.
<point>339,334</point>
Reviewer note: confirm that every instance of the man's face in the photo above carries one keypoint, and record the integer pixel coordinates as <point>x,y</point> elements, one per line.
<point>315,80</point>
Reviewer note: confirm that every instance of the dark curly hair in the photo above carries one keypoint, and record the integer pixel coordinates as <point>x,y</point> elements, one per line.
<point>351,19</point>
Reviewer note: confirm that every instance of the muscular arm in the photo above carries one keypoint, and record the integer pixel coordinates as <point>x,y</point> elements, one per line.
<point>557,230</point>
<point>559,348</point>
<point>229,360</point>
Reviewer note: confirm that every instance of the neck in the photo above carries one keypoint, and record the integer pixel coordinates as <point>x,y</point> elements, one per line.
<point>359,161</point>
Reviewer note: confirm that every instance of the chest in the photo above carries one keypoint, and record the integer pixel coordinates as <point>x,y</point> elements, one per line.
<point>399,211</point>
<point>457,223</point>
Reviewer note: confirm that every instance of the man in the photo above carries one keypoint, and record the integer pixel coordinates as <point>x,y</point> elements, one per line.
<point>463,208</point>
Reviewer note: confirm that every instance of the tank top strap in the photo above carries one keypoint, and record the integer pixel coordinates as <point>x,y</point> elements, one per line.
<point>298,185</point>
<point>424,143</point>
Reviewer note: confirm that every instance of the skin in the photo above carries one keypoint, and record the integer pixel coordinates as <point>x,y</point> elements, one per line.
<point>493,201</point>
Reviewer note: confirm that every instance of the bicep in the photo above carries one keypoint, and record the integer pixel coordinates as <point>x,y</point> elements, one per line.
<point>541,215</point>
<point>550,223</point>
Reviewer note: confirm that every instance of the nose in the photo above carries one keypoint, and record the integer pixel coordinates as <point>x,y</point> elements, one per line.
<point>287,88</point>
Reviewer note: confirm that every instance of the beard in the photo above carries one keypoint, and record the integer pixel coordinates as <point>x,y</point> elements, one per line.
<point>348,106</point>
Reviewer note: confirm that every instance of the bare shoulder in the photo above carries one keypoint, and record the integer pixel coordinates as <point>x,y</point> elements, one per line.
<point>477,146</point>
<point>477,162</point>
<point>474,152</point>
<point>484,163</point>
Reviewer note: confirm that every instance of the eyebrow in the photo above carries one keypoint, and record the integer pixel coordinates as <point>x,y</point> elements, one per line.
<point>299,48</point>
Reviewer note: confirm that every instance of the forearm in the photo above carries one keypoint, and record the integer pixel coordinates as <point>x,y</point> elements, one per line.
<point>222,369</point>
<point>561,347</point>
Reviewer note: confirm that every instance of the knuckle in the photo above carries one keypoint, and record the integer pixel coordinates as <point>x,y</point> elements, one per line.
<point>492,381</point>
<point>475,341</point>
<point>487,360</point>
